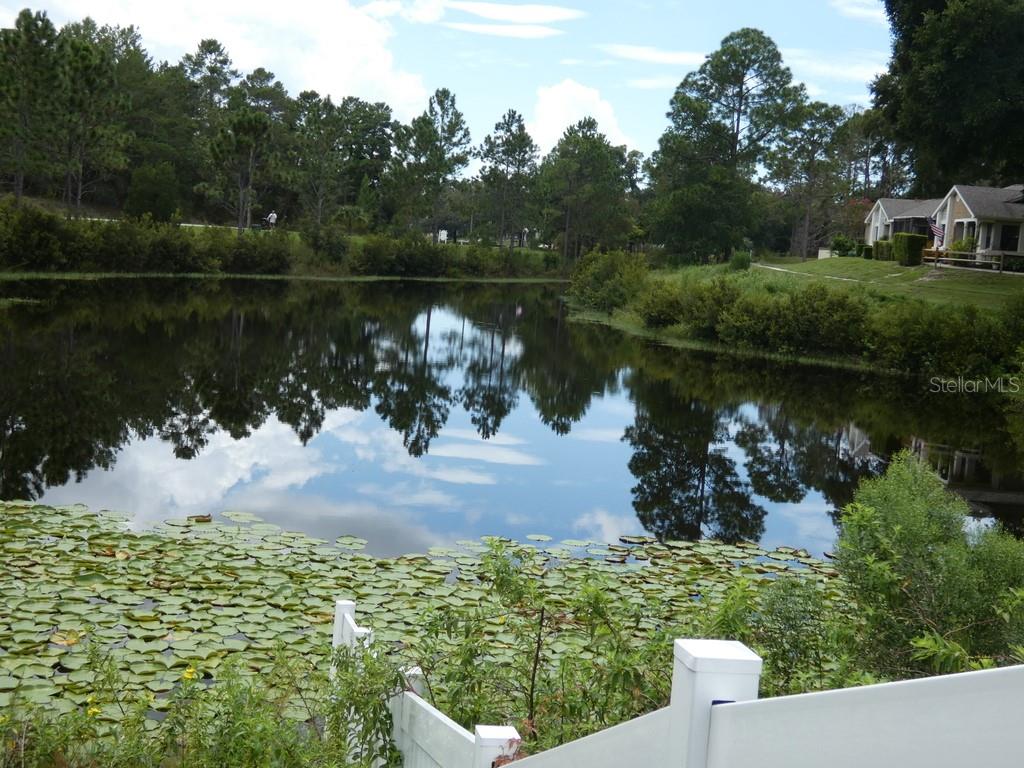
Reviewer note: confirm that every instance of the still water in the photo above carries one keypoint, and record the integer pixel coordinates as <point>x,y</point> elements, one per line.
<point>415,415</point>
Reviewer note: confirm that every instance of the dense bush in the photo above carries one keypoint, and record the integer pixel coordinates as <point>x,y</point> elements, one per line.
<point>704,302</point>
<point>811,319</point>
<point>661,305</point>
<point>153,192</point>
<point>32,240</point>
<point>258,253</point>
<point>416,256</point>
<point>606,281</point>
<point>907,247</point>
<point>329,241</point>
<point>931,597</point>
<point>374,256</point>
<point>739,261</point>
<point>883,250</point>
<point>843,246</point>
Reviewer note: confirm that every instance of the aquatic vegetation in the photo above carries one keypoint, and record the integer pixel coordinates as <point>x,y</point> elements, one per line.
<point>184,598</point>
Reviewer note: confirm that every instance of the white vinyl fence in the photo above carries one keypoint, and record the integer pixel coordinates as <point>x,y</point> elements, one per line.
<point>426,737</point>
<point>714,720</point>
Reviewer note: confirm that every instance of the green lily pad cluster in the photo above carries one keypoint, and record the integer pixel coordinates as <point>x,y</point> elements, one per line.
<point>186,595</point>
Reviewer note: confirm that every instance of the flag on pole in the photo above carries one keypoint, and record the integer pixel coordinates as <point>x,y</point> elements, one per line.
<point>937,229</point>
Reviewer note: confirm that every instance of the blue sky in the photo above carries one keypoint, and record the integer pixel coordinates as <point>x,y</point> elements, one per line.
<point>555,63</point>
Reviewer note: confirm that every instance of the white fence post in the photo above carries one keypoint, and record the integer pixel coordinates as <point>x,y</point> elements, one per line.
<point>706,672</point>
<point>346,631</point>
<point>494,745</point>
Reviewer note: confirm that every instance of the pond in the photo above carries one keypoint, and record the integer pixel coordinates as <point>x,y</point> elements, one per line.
<point>415,415</point>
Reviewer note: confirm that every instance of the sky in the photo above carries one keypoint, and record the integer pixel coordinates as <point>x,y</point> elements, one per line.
<point>615,60</point>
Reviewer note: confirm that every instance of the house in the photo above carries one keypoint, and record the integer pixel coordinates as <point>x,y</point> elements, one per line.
<point>878,223</point>
<point>991,216</point>
<point>891,215</point>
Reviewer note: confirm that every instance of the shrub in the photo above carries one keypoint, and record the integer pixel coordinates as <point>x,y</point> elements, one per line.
<point>704,302</point>
<point>416,256</point>
<point>964,245</point>
<point>375,256</point>
<point>907,247</point>
<point>867,252</point>
<point>607,281</point>
<point>661,304</point>
<point>883,250</point>
<point>258,253</point>
<point>843,246</point>
<point>929,595</point>
<point>33,240</point>
<point>327,240</point>
<point>153,191</point>
<point>812,319</point>
<point>739,261</point>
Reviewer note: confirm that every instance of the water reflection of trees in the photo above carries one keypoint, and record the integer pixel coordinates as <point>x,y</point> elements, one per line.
<point>713,439</point>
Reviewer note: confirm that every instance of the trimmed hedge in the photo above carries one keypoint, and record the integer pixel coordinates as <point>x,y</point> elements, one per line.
<point>867,252</point>
<point>907,247</point>
<point>883,250</point>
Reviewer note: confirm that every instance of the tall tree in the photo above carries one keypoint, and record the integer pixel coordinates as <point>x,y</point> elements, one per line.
<point>582,186</point>
<point>28,84</point>
<point>510,159</point>
<point>954,90</point>
<point>435,147</point>
<point>725,119</point>
<point>91,137</point>
<point>742,98</point>
<point>806,164</point>
<point>319,131</point>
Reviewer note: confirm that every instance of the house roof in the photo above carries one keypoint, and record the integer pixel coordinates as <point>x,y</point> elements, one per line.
<point>922,209</point>
<point>993,202</point>
<point>894,206</point>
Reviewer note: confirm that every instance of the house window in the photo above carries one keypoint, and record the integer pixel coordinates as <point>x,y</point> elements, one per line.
<point>1009,237</point>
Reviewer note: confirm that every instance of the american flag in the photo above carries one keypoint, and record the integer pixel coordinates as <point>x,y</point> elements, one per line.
<point>937,229</point>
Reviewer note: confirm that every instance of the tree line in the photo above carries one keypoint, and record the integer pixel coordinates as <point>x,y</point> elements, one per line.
<point>747,161</point>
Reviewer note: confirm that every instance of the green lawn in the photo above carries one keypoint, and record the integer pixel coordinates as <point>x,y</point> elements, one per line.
<point>942,285</point>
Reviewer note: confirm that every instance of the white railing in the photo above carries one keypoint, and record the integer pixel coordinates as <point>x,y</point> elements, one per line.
<point>714,720</point>
<point>426,737</point>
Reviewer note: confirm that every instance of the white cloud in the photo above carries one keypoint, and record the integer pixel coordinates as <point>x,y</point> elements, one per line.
<point>517,14</point>
<point>468,434</point>
<point>865,10</point>
<point>335,48</point>
<point>602,525</point>
<point>595,435</point>
<point>524,31</point>
<point>559,106</point>
<point>492,454</point>
<point>858,66</point>
<point>668,82</point>
<point>384,447</point>
<point>653,55</point>
<point>151,482</point>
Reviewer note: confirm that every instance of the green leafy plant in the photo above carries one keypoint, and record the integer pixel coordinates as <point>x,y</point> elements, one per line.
<point>842,245</point>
